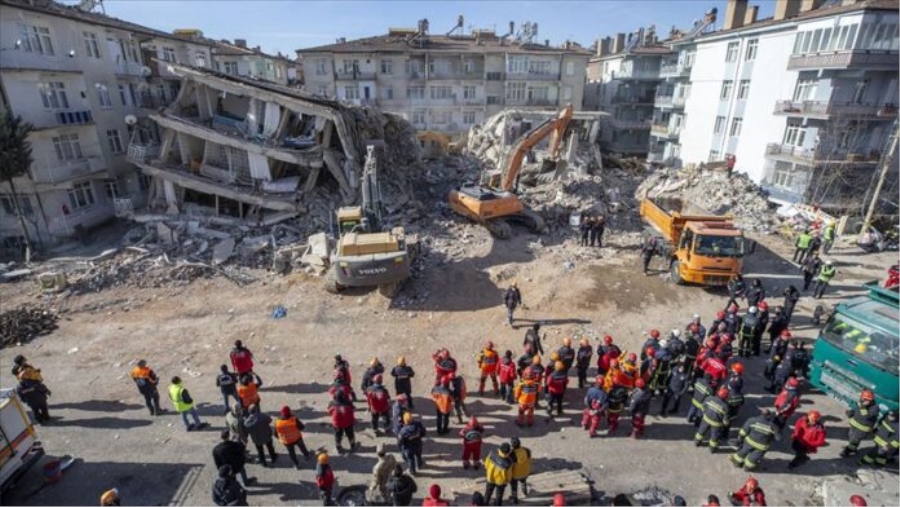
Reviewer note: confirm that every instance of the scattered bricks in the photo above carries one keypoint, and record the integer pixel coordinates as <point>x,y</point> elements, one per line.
<point>23,324</point>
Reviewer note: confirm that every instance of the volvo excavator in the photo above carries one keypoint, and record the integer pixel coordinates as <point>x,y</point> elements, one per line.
<point>494,203</point>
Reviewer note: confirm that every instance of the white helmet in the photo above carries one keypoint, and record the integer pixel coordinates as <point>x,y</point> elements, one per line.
<point>696,317</point>
<point>828,262</point>
<point>663,343</point>
<point>753,309</point>
<point>676,333</point>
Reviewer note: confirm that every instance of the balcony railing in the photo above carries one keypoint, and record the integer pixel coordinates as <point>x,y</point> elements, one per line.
<point>150,101</point>
<point>540,102</point>
<point>808,156</point>
<point>663,100</point>
<point>664,130</point>
<point>354,76</point>
<point>89,216</point>
<point>532,76</point>
<point>844,59</point>
<point>129,68</point>
<point>823,108</point>
<point>65,172</point>
<point>634,99</point>
<point>456,76</point>
<point>142,153</point>
<point>630,124</point>
<point>674,71</point>
<point>636,74</point>
<point>13,59</point>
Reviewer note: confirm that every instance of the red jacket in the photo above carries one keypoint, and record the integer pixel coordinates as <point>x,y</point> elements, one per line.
<point>324,476</point>
<point>811,437</point>
<point>341,415</point>
<point>507,372</point>
<point>557,382</point>
<point>786,403</point>
<point>746,498</point>
<point>715,368</point>
<point>437,502</point>
<point>379,399</point>
<point>241,361</point>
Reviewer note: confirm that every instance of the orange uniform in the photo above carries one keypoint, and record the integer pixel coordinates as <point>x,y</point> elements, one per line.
<point>526,394</point>
<point>489,362</point>
<point>249,394</point>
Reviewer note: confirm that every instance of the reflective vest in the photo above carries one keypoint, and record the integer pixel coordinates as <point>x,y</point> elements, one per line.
<point>827,273</point>
<point>886,434</point>
<point>715,412</point>
<point>829,233</point>
<point>472,434</point>
<point>487,361</point>
<point>443,399</point>
<point>249,394</point>
<point>175,394</point>
<point>522,466</point>
<point>527,393</point>
<point>288,430</point>
<point>701,392</point>
<point>498,468</point>
<point>804,240</point>
<point>864,418</point>
<point>759,433</point>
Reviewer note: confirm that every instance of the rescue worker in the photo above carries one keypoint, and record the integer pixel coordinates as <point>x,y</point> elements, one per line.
<point>258,426</point>
<point>618,396</point>
<point>497,473</point>
<point>585,228</point>
<point>506,371</point>
<point>146,381</point>
<point>526,394</point>
<point>748,331</point>
<point>248,391</point>
<point>736,378</point>
<point>184,405</point>
<point>521,469</point>
<point>598,227</point>
<point>826,274</point>
<point>472,435</point>
<point>886,442</point>
<point>652,342</point>
<point>778,325</point>
<point>787,402</point>
<point>596,402</point>
<point>537,367</point>
<point>375,368</point>
<point>487,363</point>
<point>800,359</point>
<point>511,300</point>
<point>434,497</point>
<point>324,478</point>
<point>732,321</point>
<point>410,439</point>
<point>342,418</point>
<point>714,367</point>
<point>776,353</point>
<point>533,338</point>
<point>734,401</point>
<point>750,494</point>
<point>756,294</point>
<point>791,297</point>
<point>808,436</point>
<point>226,490</point>
<point>814,245</point>
<point>583,360</point>
<point>754,440</point>
<point>676,386</point>
<point>783,371</point>
<point>715,417</point>
<point>342,372</point>
<point>227,384</point>
<point>720,318</point>
<point>524,360</point>
<point>242,360</point>
<point>828,237</point>
<point>801,246</point>
<point>639,405</point>
<point>231,453</point>
<point>863,419</point>
<point>675,345</point>
<point>606,353</point>
<point>288,431</point>
<point>660,369</point>
<point>629,370</point>
<point>398,408</point>
<point>34,394</point>
<point>458,390</point>
<point>764,319</point>
<point>379,401</point>
<point>556,388</point>
<point>22,370</point>
<point>702,390</point>
<point>443,404</point>
<point>401,487</point>
<point>691,349</point>
<point>810,269</point>
<point>403,374</point>
<point>341,384</point>
<point>700,331</point>
<point>234,421</point>
<point>736,289</point>
<point>444,364</point>
<point>378,492</point>
<point>648,250</point>
<point>566,353</point>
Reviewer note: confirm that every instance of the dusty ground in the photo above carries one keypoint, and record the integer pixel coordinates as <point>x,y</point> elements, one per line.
<point>100,417</point>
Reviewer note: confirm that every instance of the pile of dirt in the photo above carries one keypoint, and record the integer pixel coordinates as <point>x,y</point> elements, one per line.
<point>21,325</point>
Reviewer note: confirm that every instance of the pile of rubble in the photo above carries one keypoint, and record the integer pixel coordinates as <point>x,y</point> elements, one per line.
<point>21,325</point>
<point>715,192</point>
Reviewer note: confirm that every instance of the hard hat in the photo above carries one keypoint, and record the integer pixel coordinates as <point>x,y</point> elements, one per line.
<point>763,306</point>
<point>584,342</point>
<point>639,383</point>
<point>751,483</point>
<point>489,345</point>
<point>785,334</point>
<point>378,379</point>
<point>554,356</point>
<point>407,417</point>
<point>322,458</point>
<point>374,362</point>
<point>559,500</point>
<point>285,411</point>
<point>860,348</point>
<point>567,341</point>
<point>632,357</point>
<point>654,333</point>
<point>445,354</point>
<point>536,359</point>
<point>651,352</point>
<point>109,497</point>
<point>829,262</point>
<point>473,421</point>
<point>814,416</point>
<point>793,382</point>
<point>858,501</point>
<point>599,380</point>
<point>608,340</point>
<point>867,395</point>
<point>753,309</point>
<point>676,333</point>
<point>663,343</point>
<point>401,361</point>
<point>722,393</point>
<point>737,368</point>
<point>559,366</point>
<point>434,491</point>
<point>720,314</point>
<point>696,317</point>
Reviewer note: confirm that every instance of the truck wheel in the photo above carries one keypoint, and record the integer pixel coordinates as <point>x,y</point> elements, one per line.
<point>673,273</point>
<point>352,495</point>
<point>331,285</point>
<point>499,228</point>
<point>389,290</point>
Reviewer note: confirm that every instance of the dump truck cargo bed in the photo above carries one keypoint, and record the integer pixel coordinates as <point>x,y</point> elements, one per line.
<point>665,216</point>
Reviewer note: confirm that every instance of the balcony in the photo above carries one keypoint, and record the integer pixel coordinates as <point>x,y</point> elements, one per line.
<point>860,59</point>
<point>807,156</point>
<point>150,101</point>
<point>656,156</point>
<point>18,59</point>
<point>651,74</point>
<point>456,76</point>
<point>354,76</point>
<point>87,217</point>
<point>124,68</point>
<point>69,171</point>
<point>664,130</point>
<point>822,109</point>
<point>647,99</point>
<point>533,76</point>
<point>669,101</point>
<point>674,71</point>
<point>142,153</point>
<point>622,124</point>
<point>51,119</point>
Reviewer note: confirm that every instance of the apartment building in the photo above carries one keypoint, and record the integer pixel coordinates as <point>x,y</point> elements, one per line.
<point>805,101</point>
<point>448,83</point>
<point>237,59</point>
<point>622,80</point>
<point>76,76</point>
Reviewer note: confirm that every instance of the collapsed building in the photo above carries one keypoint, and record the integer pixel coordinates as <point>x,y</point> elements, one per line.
<point>255,151</point>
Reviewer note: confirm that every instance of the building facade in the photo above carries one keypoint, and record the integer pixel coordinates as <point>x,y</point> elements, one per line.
<point>237,59</point>
<point>85,81</point>
<point>446,83</point>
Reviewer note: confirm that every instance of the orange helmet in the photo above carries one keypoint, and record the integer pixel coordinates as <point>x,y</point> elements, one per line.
<point>536,359</point>
<point>793,382</point>
<point>639,383</point>
<point>559,366</point>
<point>751,483</point>
<point>554,356</point>
<point>737,368</point>
<point>786,334</point>
<point>607,340</point>
<point>722,393</point>
<point>632,357</point>
<point>567,341</point>
<point>814,416</point>
<point>720,315</point>
<point>654,333</point>
<point>763,306</point>
<point>867,395</point>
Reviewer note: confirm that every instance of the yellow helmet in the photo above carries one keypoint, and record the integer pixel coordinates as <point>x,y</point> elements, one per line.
<point>536,359</point>
<point>554,356</point>
<point>860,348</point>
<point>567,341</point>
<point>407,417</point>
<point>559,366</point>
<point>322,458</point>
<point>374,362</point>
<point>401,361</point>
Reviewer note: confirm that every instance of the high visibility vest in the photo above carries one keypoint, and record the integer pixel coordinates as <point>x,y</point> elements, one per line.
<point>527,393</point>
<point>827,273</point>
<point>715,412</point>
<point>522,465</point>
<point>829,233</point>
<point>175,394</point>
<point>288,431</point>
<point>488,361</point>
<point>249,394</point>
<point>804,240</point>
<point>498,468</point>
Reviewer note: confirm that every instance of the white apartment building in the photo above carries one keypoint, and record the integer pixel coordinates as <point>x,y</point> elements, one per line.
<point>76,75</point>
<point>447,83</point>
<point>237,59</point>
<point>805,101</point>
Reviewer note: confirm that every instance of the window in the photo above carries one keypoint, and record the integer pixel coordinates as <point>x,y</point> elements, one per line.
<point>103,95</point>
<point>440,67</point>
<point>861,340</point>
<point>469,66</point>
<point>35,39</point>
<point>322,90</point>
<point>81,195</point>
<point>469,92</point>
<point>744,89</point>
<point>53,95</point>
<point>805,89</point>
<point>816,39</point>
<point>441,117</point>
<point>859,91</point>
<point>441,92</point>
<point>794,135</point>
<point>517,64</point>
<point>415,92</point>
<point>567,93</point>
<point>67,147</point>
<point>115,142</point>
<point>123,96</point>
<point>689,59</point>
<point>720,125</point>
<point>351,92</point>
<point>161,92</point>
<point>540,68</point>
<point>388,93</point>
<point>387,67</point>
<point>168,54</point>
<point>493,100</point>
<point>731,52</point>
<point>726,90</point>
<point>570,68</point>
<point>752,48</point>
<point>351,66</point>
<point>200,59</point>
<point>494,76</point>
<point>515,91</point>
<point>418,117</point>
<point>469,117</point>
<point>9,206</point>
<point>413,68</point>
<point>826,40</point>
<point>144,182</point>
<point>321,67</point>
<point>92,49</point>
<point>714,156</point>
<point>736,127</point>
<point>111,188</point>
<point>540,93</point>
<point>231,68</point>
<point>784,175</point>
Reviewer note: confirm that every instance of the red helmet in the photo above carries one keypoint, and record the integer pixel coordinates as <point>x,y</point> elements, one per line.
<point>473,421</point>
<point>599,380</point>
<point>793,382</point>
<point>445,354</point>
<point>607,340</point>
<point>737,368</point>
<point>639,383</point>
<point>378,379</point>
<point>651,352</point>
<point>858,501</point>
<point>727,338</point>
<point>722,393</point>
<point>632,357</point>
<point>814,416</point>
<point>654,333</point>
<point>751,483</point>
<point>559,500</point>
<point>489,345</point>
<point>867,395</point>
<point>763,306</point>
<point>785,334</point>
<point>720,315</point>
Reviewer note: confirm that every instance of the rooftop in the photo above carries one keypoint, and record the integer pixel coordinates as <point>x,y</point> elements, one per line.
<point>226,48</point>
<point>397,41</point>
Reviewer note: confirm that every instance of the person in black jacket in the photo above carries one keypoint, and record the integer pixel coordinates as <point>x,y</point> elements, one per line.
<point>226,490</point>
<point>403,374</point>
<point>401,487</point>
<point>585,227</point>
<point>259,426</point>
<point>227,384</point>
<point>511,300</point>
<point>756,293</point>
<point>791,296</point>
<point>533,338</point>
<point>675,389</point>
<point>231,453</point>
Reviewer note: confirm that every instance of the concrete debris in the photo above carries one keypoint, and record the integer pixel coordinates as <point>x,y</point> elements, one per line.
<point>223,251</point>
<point>21,325</point>
<point>714,192</point>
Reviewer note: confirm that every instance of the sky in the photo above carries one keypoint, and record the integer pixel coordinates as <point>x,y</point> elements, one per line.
<point>288,25</point>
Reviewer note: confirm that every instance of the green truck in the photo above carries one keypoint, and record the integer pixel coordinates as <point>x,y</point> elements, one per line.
<point>859,348</point>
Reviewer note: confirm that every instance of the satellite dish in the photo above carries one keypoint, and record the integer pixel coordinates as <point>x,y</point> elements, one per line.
<point>146,71</point>
<point>131,119</point>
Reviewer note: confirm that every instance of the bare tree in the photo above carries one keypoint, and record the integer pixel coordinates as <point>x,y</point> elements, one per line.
<point>15,159</point>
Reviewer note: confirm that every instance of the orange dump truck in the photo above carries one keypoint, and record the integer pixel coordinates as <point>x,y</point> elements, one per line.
<point>699,249</point>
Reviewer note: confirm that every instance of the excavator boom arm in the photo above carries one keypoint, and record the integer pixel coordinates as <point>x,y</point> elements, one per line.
<point>557,126</point>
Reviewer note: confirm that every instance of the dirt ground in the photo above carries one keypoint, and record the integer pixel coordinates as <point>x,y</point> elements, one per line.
<point>188,331</point>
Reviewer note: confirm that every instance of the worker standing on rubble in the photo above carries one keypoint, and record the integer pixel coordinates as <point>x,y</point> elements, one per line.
<point>512,299</point>
<point>288,430</point>
<point>184,405</point>
<point>583,361</point>
<point>676,386</point>
<point>507,374</point>
<point>828,237</point>
<point>566,354</point>
<point>342,419</point>
<point>747,331</point>
<point>403,375</point>
<point>242,361</point>
<point>31,388</point>
<point>826,274</point>
<point>648,250</point>
<point>702,390</point>
<point>379,401</point>
<point>598,227</point>
<point>606,353</point>
<point>585,228</point>
<point>801,246</point>
<point>227,384</point>
<point>521,469</point>
<point>498,472</point>
<point>533,339</point>
<point>146,381</point>
<point>488,361</point>
<point>472,435</point>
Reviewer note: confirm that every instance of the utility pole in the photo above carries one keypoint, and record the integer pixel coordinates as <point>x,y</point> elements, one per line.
<point>885,167</point>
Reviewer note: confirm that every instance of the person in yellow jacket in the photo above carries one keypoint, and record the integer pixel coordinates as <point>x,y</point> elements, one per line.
<point>184,405</point>
<point>521,469</point>
<point>498,472</point>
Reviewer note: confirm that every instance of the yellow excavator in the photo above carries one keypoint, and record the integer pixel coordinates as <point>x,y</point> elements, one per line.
<point>494,204</point>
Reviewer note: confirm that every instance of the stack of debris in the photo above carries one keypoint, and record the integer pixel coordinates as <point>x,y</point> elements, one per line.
<point>21,325</point>
<point>715,192</point>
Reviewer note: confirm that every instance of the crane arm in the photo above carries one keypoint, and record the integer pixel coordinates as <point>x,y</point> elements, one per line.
<point>556,126</point>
